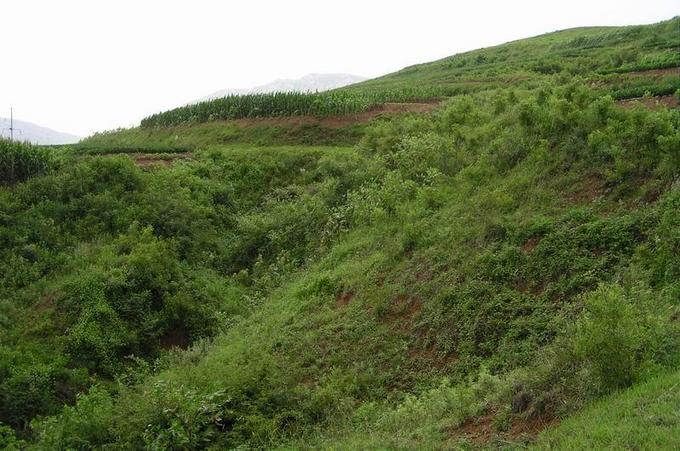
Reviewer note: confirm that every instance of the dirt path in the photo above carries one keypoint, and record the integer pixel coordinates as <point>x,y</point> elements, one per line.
<point>145,160</point>
<point>669,101</point>
<point>654,73</point>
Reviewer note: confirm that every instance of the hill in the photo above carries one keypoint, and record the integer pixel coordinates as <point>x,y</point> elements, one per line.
<point>36,134</point>
<point>624,62</point>
<point>479,252</point>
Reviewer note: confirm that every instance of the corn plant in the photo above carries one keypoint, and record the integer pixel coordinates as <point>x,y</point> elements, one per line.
<point>19,161</point>
<point>281,104</point>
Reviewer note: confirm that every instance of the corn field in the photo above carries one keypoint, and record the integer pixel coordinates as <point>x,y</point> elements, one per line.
<point>19,161</point>
<point>280,104</point>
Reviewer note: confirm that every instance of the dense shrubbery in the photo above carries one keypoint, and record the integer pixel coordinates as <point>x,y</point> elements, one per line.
<point>140,262</point>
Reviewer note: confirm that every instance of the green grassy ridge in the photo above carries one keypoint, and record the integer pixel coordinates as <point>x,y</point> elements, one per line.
<point>183,138</point>
<point>638,88</point>
<point>405,264</point>
<point>580,51</point>
<point>642,417</point>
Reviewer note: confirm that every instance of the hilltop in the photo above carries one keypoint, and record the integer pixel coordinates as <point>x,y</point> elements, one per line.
<point>477,252</point>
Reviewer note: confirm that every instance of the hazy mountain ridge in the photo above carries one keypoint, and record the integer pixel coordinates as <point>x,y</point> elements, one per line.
<point>308,83</point>
<point>35,134</point>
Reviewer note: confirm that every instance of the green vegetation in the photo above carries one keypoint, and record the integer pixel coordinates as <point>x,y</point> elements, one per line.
<point>183,138</point>
<point>642,417</point>
<point>460,278</point>
<point>603,56</point>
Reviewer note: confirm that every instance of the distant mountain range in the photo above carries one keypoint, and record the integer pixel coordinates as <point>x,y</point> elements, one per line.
<point>35,134</point>
<point>308,83</point>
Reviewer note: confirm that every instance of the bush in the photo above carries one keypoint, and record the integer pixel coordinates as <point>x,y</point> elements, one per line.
<point>85,425</point>
<point>8,440</point>
<point>622,333</point>
<point>29,391</point>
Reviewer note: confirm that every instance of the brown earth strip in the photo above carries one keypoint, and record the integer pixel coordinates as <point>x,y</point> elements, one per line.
<point>658,102</point>
<point>483,430</point>
<point>147,160</point>
<point>587,190</point>
<point>654,73</point>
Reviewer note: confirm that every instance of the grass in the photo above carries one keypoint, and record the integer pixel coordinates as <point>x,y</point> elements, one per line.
<point>184,138</point>
<point>645,416</point>
<point>349,266</point>
<point>585,52</point>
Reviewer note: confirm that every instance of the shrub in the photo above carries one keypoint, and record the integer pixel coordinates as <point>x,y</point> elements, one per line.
<point>621,333</point>
<point>8,440</point>
<point>85,425</point>
<point>29,391</point>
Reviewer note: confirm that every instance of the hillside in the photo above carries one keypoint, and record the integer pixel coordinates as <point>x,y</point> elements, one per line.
<point>36,134</point>
<point>478,252</point>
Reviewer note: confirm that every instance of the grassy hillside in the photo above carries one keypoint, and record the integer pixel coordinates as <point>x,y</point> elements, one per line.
<point>644,416</point>
<point>504,264</point>
<point>624,62</point>
<point>601,54</point>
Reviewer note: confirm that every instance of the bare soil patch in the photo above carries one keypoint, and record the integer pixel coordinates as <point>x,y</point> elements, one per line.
<point>149,160</point>
<point>483,430</point>
<point>344,299</point>
<point>669,101</point>
<point>530,244</point>
<point>655,73</point>
<point>402,311</point>
<point>589,189</point>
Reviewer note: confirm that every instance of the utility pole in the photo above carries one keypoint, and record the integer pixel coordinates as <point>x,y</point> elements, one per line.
<point>11,125</point>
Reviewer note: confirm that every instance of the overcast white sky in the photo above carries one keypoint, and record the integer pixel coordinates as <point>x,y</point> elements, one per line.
<point>82,66</point>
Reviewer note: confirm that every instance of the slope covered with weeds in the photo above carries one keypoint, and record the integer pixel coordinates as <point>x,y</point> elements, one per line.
<point>511,256</point>
<point>466,277</point>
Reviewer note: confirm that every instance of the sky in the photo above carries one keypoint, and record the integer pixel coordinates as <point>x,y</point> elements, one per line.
<point>87,66</point>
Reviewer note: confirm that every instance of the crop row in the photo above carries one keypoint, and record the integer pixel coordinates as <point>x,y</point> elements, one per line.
<point>279,104</point>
